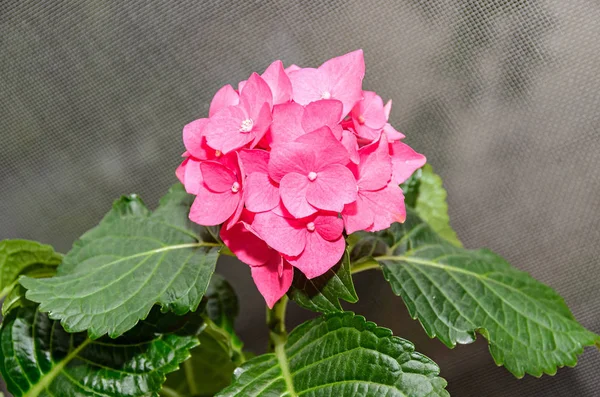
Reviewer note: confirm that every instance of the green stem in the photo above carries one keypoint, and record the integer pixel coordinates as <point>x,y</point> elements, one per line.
<point>276,323</point>
<point>277,339</point>
<point>367,264</point>
<point>189,376</point>
<point>168,392</point>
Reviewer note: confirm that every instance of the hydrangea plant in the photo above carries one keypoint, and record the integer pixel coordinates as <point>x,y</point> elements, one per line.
<point>298,174</point>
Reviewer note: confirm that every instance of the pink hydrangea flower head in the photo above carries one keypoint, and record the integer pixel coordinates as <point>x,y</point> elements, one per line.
<point>220,196</point>
<point>313,244</point>
<point>338,78</point>
<point>234,127</point>
<point>312,173</point>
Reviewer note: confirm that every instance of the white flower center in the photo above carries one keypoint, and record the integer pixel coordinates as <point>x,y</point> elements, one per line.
<point>361,119</point>
<point>235,187</point>
<point>312,176</point>
<point>246,125</point>
<point>218,153</point>
<point>310,226</point>
<point>326,95</point>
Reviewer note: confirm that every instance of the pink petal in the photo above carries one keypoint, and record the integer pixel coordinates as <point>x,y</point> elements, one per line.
<point>262,123</point>
<point>375,168</point>
<point>286,125</point>
<point>357,215</point>
<point>180,171</point>
<point>326,112</point>
<point>278,82</point>
<point>285,235</point>
<point>387,109</point>
<point>231,222</point>
<point>334,187</point>
<point>225,97</point>
<point>193,140</point>
<point>404,161</point>
<point>392,133</point>
<point>319,255</point>
<point>271,285</point>
<point>223,130</point>
<point>291,157</point>
<point>292,68</point>
<point>261,193</point>
<point>192,176</point>
<point>325,147</point>
<point>330,227</point>
<point>345,74</point>
<point>254,160</point>
<point>217,177</point>
<point>254,95</point>
<point>351,144</point>
<point>309,85</point>
<point>210,209</point>
<point>246,246</point>
<point>387,205</point>
<point>293,191</point>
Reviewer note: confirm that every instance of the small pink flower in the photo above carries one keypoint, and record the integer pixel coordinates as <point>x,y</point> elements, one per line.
<point>233,127</point>
<point>271,273</point>
<point>368,116</point>
<point>312,175</point>
<point>313,244</point>
<point>220,196</point>
<point>273,279</point>
<point>379,202</point>
<point>338,78</point>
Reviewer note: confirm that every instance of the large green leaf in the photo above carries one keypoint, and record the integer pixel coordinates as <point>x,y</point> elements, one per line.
<point>426,194</point>
<point>211,365</point>
<point>38,358</point>
<point>323,294</point>
<point>456,292</point>
<point>132,260</point>
<point>19,257</point>
<point>339,354</point>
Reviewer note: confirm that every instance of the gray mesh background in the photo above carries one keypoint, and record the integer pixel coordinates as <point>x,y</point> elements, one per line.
<point>502,97</point>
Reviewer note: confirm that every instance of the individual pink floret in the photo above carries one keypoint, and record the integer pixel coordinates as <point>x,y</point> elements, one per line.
<point>313,244</point>
<point>312,174</point>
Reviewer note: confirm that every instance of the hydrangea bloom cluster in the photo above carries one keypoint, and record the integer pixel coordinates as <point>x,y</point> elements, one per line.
<point>292,159</point>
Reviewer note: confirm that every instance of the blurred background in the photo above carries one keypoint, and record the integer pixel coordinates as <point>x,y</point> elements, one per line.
<point>502,96</point>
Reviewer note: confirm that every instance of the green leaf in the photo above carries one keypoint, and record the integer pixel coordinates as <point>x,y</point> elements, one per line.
<point>431,205</point>
<point>19,257</point>
<point>323,294</point>
<point>38,358</point>
<point>211,365</point>
<point>339,354</point>
<point>132,260</point>
<point>456,292</point>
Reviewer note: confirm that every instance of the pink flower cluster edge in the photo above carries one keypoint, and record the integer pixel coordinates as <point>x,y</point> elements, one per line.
<point>292,159</point>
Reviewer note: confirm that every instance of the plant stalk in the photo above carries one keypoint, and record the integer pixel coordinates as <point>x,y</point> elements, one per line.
<point>276,323</point>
